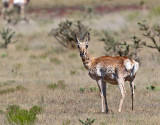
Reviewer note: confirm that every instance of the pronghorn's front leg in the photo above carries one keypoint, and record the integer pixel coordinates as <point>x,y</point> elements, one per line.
<point>99,84</point>
<point>103,95</point>
<point>121,87</point>
<point>105,98</point>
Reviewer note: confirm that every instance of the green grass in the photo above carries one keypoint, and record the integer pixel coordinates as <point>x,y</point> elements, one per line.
<point>52,86</point>
<point>93,89</point>
<point>11,90</point>
<point>5,91</point>
<point>152,87</point>
<point>73,56</point>
<point>155,11</point>
<point>59,84</point>
<point>55,61</point>
<point>6,83</point>
<point>3,55</point>
<point>82,89</point>
<point>16,115</point>
<point>73,72</point>
<point>88,121</point>
<point>20,87</point>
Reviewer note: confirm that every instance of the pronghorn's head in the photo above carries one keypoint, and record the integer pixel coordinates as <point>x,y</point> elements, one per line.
<point>83,45</point>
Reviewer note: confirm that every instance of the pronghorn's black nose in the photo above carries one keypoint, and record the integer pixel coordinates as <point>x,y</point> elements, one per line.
<point>81,54</point>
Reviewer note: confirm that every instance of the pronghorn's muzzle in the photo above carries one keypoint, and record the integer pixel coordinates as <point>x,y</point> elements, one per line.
<point>82,54</point>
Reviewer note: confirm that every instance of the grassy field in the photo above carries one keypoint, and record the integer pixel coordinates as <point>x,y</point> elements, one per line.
<point>37,70</point>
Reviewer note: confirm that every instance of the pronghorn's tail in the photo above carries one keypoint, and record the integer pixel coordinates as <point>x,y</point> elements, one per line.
<point>135,68</point>
<point>131,65</point>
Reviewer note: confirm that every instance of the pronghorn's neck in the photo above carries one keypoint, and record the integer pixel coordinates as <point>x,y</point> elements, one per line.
<point>87,61</point>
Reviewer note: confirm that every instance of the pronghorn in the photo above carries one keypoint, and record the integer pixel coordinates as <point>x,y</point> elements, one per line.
<point>9,4</point>
<point>114,70</point>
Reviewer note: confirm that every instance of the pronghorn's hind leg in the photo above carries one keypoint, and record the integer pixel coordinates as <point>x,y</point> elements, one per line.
<point>121,87</point>
<point>132,91</point>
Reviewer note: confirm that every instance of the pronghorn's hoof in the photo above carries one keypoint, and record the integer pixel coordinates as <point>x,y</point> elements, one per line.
<point>103,111</point>
<point>107,112</point>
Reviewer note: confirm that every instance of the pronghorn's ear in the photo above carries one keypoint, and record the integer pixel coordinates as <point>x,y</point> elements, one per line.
<point>87,37</point>
<point>77,40</point>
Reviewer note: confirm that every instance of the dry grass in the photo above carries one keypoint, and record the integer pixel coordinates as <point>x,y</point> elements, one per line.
<point>36,61</point>
<point>51,3</point>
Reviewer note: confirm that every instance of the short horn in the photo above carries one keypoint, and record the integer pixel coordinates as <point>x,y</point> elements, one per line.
<point>88,37</point>
<point>77,40</point>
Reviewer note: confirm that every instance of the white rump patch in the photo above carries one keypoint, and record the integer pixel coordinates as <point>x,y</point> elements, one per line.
<point>128,64</point>
<point>131,66</point>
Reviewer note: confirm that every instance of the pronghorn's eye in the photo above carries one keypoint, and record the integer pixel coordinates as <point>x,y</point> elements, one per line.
<point>86,46</point>
<point>78,46</point>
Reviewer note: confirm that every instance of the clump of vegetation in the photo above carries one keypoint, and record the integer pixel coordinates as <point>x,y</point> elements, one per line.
<point>20,87</point>
<point>114,47</point>
<point>16,68</point>
<point>52,86</point>
<point>10,90</point>
<point>6,83</point>
<point>82,89</point>
<point>73,55</point>
<point>88,121</point>
<point>7,36</point>
<point>59,84</point>
<point>152,87</point>
<point>65,33</point>
<point>155,11</point>
<point>93,89</point>
<point>73,72</point>
<point>152,33</point>
<point>16,115</point>
<point>67,122</point>
<point>55,60</point>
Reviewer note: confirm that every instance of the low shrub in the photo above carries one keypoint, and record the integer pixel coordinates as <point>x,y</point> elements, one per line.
<point>16,115</point>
